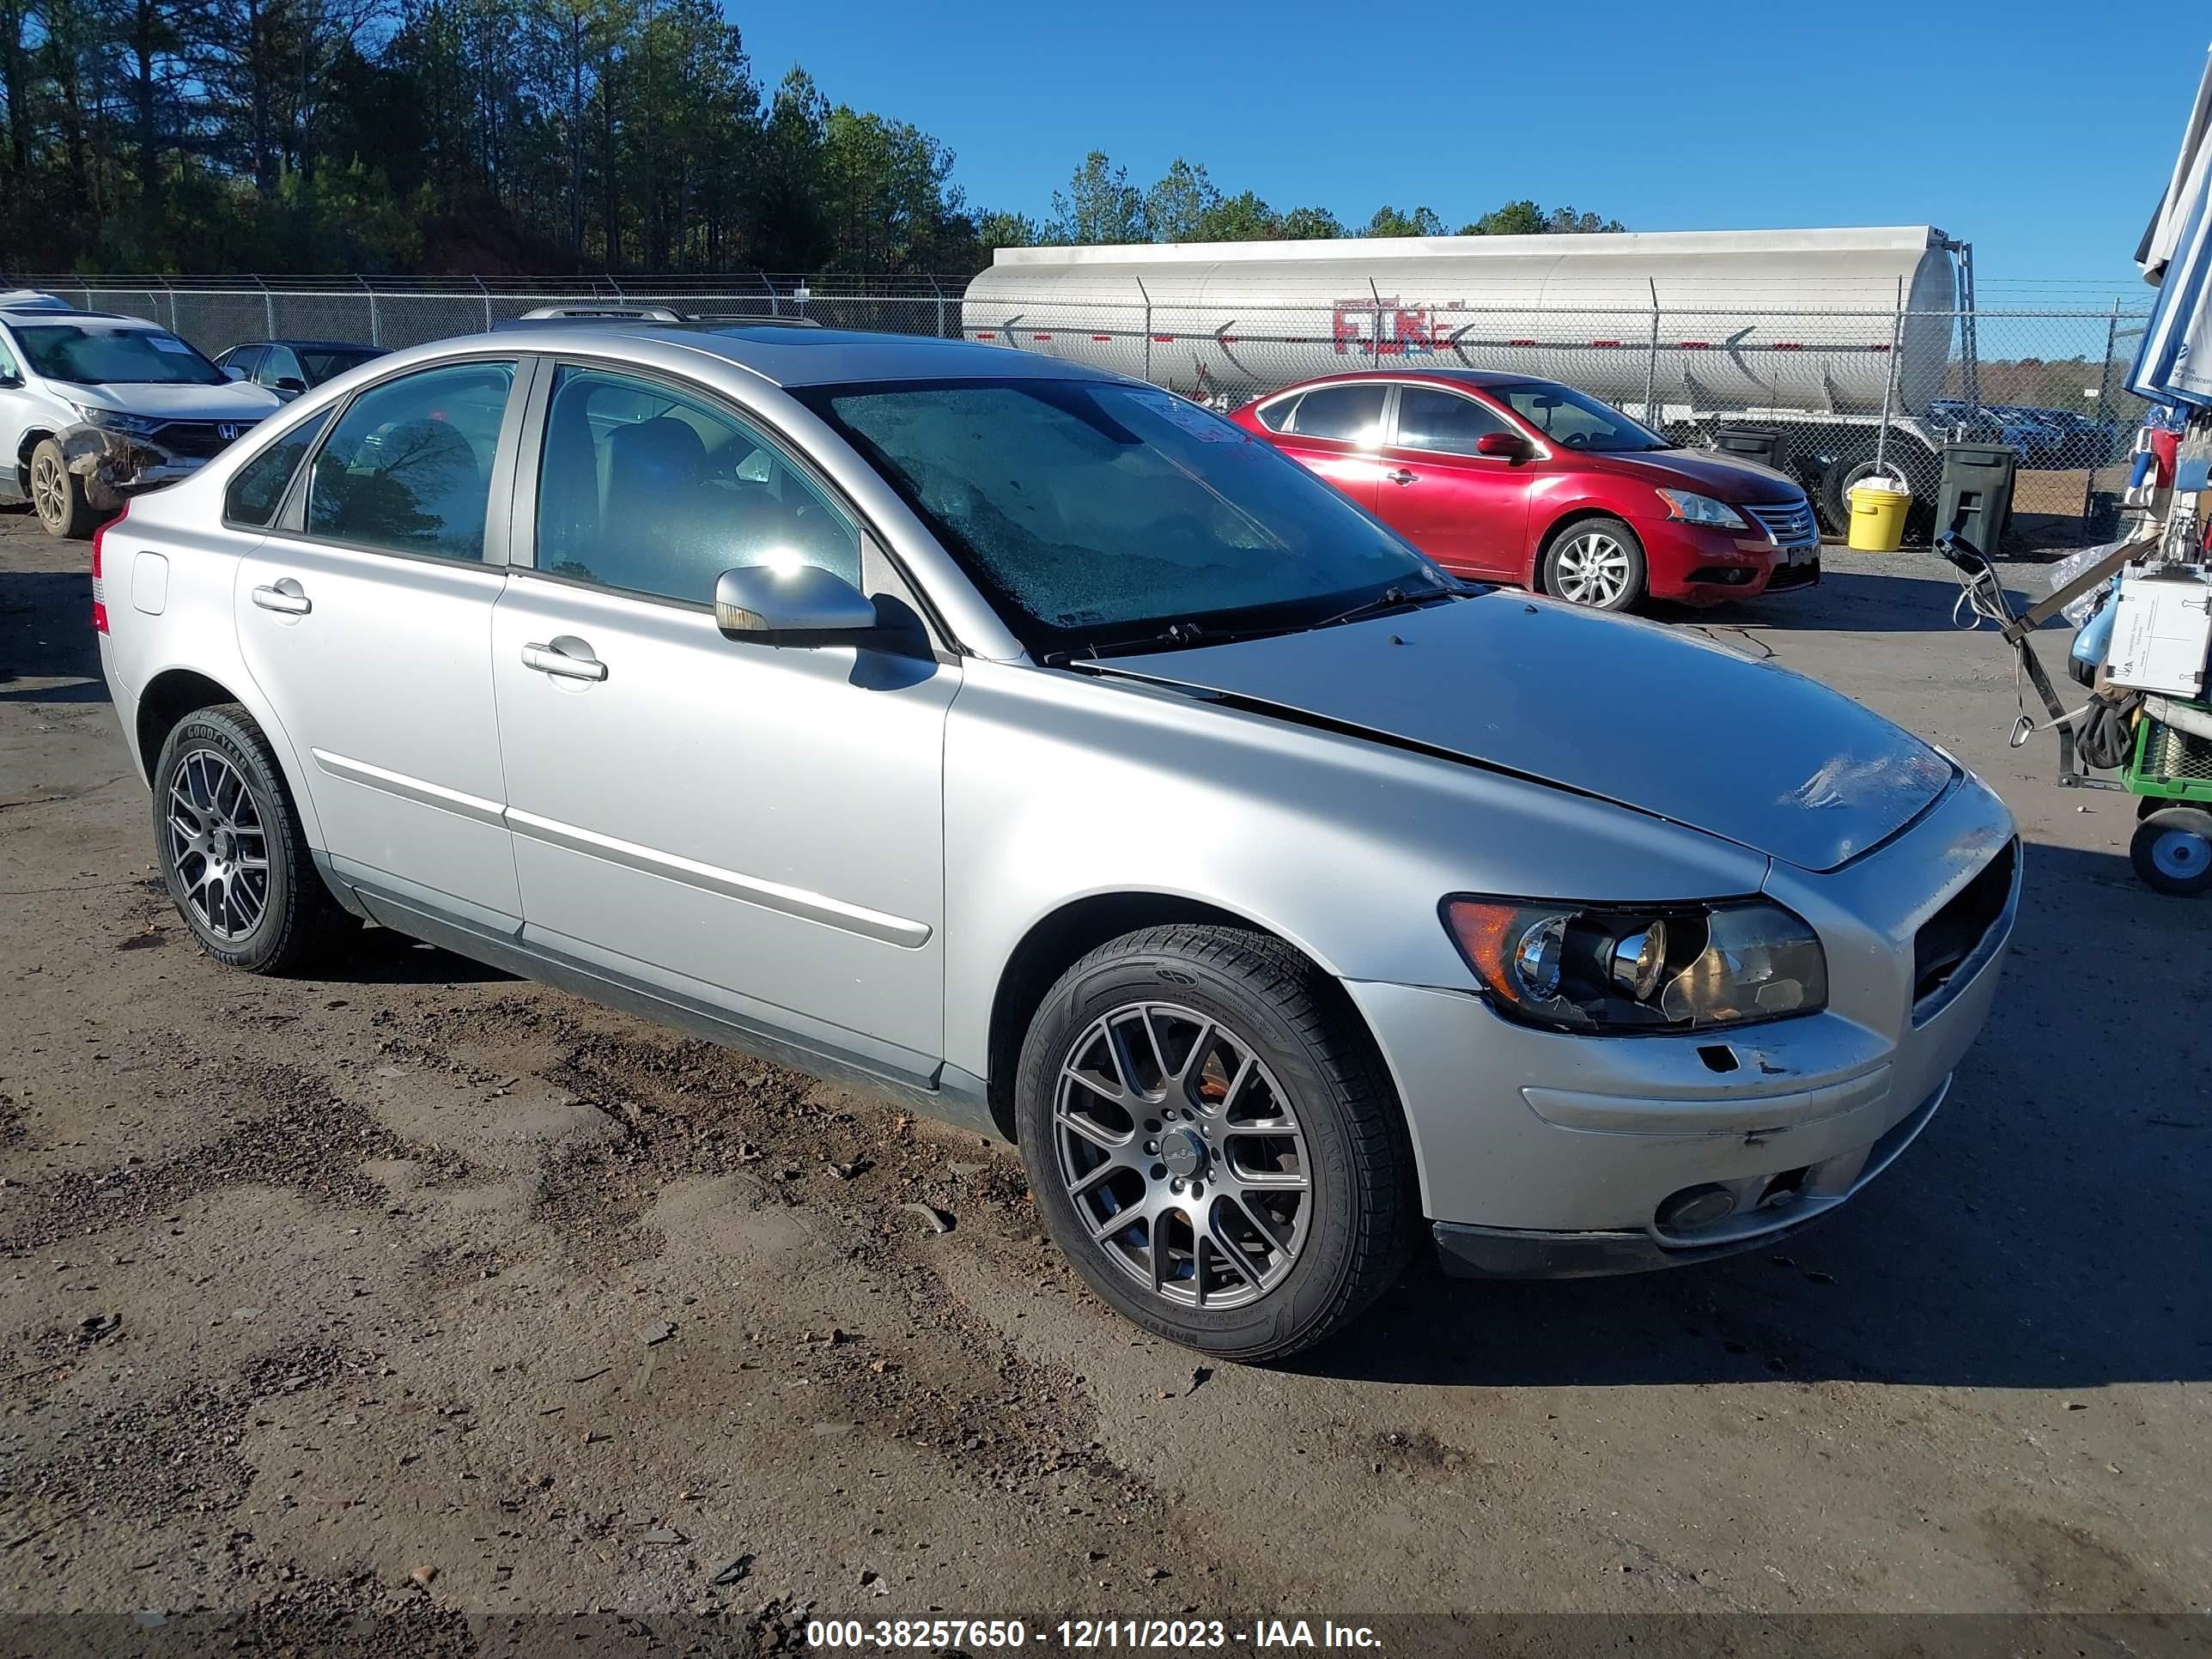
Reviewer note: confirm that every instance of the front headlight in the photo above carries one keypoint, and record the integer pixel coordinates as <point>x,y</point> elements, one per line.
<point>114,420</point>
<point>1606,968</point>
<point>1692,509</point>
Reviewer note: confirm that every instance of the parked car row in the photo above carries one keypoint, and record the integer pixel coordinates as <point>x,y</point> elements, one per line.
<point>1065,760</point>
<point>96,407</point>
<point>2047,438</point>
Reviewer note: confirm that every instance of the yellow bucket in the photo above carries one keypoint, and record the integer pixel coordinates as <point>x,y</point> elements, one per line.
<point>1878,509</point>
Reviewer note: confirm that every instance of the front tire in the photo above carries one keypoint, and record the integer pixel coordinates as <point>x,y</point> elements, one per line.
<point>232,850</point>
<point>58,493</point>
<point>1598,563</point>
<point>1213,1142</point>
<point>2173,851</point>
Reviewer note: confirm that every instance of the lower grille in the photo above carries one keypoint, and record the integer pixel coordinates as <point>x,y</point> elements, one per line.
<point>1789,523</point>
<point>1950,938</point>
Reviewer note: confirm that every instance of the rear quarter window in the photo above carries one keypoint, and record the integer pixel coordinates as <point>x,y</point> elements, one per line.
<point>257,491</point>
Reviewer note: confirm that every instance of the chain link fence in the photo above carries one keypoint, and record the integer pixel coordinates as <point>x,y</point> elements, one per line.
<point>1843,391</point>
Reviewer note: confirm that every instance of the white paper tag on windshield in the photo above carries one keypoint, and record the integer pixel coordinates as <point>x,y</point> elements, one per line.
<point>169,342</point>
<point>1201,423</point>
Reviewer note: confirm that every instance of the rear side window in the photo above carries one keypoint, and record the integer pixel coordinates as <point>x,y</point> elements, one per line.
<point>407,466</point>
<point>257,491</point>
<point>1442,422</point>
<point>1353,413</point>
<point>1276,417</point>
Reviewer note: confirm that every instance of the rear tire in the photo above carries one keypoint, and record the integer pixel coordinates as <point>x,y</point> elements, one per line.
<point>1249,1244</point>
<point>1598,563</point>
<point>232,850</point>
<point>2173,851</point>
<point>58,493</point>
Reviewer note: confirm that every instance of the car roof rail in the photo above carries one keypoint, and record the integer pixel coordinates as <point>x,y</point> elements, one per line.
<point>578,313</point>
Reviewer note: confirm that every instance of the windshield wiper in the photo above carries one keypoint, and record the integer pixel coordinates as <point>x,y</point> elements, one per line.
<point>1176,636</point>
<point>1389,599</point>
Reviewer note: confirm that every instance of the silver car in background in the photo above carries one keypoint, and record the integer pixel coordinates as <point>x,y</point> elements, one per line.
<point>1043,749</point>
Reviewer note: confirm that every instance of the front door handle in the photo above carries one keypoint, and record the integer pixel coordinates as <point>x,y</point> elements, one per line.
<point>575,664</point>
<point>285,597</point>
<point>1399,475</point>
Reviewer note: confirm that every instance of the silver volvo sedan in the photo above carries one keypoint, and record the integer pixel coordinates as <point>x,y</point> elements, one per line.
<point>1037,746</point>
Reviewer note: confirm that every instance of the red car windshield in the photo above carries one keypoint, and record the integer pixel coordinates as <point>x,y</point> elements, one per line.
<point>1575,420</point>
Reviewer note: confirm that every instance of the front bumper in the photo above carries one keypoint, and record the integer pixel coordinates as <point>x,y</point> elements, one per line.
<point>1471,1252</point>
<point>114,465</point>
<point>1696,565</point>
<point>1544,1154</point>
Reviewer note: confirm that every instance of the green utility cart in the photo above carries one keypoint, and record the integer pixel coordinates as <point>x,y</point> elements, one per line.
<point>2170,773</point>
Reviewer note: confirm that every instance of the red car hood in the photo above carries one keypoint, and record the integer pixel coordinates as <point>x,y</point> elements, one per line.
<point>1724,477</point>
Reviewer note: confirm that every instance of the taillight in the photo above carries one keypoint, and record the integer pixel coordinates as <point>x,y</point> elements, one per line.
<point>98,589</point>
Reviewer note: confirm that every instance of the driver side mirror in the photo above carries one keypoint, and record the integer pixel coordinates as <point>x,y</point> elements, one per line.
<point>799,604</point>
<point>1508,446</point>
<point>291,383</point>
<point>232,371</point>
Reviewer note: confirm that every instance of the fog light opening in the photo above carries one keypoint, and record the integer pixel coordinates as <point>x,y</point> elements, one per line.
<point>1785,1188</point>
<point>1718,1057</point>
<point>1696,1207</point>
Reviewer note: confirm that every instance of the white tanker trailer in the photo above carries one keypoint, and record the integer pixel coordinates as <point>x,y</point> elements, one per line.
<point>1817,335</point>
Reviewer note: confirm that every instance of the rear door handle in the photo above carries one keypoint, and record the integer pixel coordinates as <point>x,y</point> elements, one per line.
<point>284,597</point>
<point>550,660</point>
<point>1399,475</point>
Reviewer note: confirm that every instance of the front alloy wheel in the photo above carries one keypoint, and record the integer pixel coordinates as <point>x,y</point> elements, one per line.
<point>58,493</point>
<point>1597,563</point>
<point>1182,1154</point>
<point>1213,1141</point>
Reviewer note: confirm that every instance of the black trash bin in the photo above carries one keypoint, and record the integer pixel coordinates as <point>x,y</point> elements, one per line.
<point>1753,443</point>
<point>1973,498</point>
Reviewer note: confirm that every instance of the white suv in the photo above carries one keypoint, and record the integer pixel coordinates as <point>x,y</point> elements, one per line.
<point>94,408</point>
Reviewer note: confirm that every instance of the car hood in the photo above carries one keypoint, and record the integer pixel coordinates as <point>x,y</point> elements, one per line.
<point>1725,477</point>
<point>1648,717</point>
<point>234,400</point>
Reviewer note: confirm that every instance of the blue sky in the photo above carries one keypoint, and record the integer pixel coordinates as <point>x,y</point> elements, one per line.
<point>2041,130</point>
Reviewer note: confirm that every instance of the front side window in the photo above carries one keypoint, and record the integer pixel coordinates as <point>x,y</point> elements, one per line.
<point>1443,423</point>
<point>1576,420</point>
<point>258,489</point>
<point>407,466</point>
<point>244,359</point>
<point>1352,413</point>
<point>279,365</point>
<point>656,491</point>
<point>1097,513</point>
<point>105,354</point>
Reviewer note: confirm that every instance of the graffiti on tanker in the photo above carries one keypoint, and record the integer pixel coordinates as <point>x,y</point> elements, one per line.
<point>1384,328</point>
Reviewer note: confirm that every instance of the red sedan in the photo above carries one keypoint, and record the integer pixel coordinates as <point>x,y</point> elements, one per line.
<point>1534,483</point>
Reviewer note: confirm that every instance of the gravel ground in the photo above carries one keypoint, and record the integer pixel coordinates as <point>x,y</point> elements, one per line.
<point>420,1291</point>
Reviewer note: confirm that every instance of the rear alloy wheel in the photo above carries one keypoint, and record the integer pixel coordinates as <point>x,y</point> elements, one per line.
<point>1596,562</point>
<point>232,853</point>
<point>1212,1143</point>
<point>2172,850</point>
<point>58,493</point>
